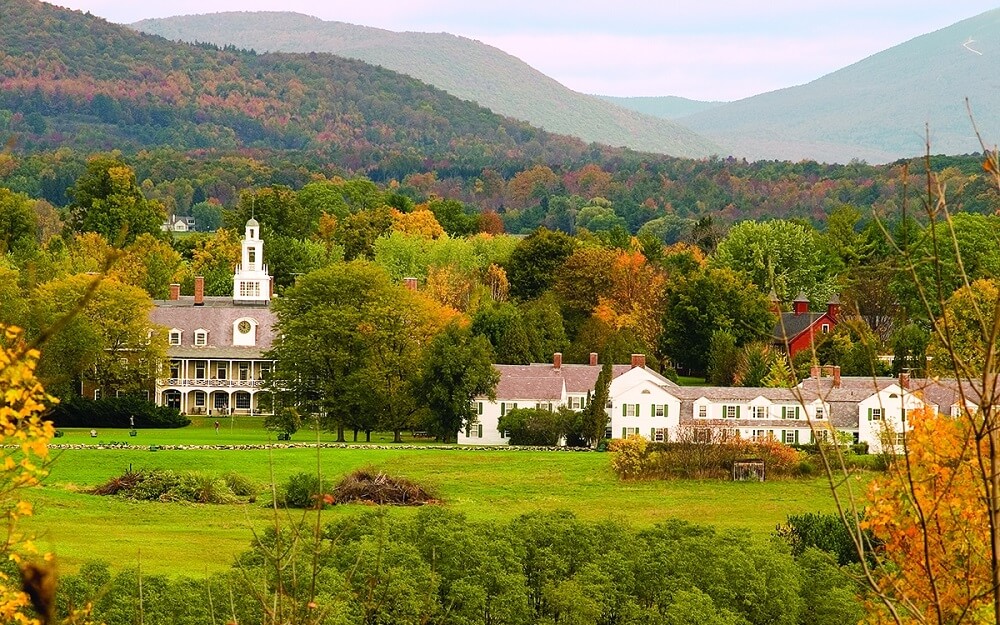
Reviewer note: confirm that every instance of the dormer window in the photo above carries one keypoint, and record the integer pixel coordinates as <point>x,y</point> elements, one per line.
<point>200,338</point>
<point>245,332</point>
<point>175,337</point>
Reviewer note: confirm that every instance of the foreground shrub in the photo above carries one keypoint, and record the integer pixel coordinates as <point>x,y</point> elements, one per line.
<point>302,490</point>
<point>636,458</point>
<point>116,412</point>
<point>629,460</point>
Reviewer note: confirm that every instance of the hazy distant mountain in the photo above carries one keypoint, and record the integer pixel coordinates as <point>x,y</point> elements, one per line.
<point>667,107</point>
<point>876,109</point>
<point>465,68</point>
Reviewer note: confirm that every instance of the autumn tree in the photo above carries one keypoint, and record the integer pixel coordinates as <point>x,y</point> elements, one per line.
<point>107,200</point>
<point>18,221</point>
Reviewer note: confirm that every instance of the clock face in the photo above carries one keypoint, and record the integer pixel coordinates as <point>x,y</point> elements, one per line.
<point>244,327</point>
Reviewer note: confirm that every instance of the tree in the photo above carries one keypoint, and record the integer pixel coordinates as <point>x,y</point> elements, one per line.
<point>278,208</point>
<point>779,255</point>
<point>109,340</point>
<point>207,216</point>
<point>533,263</point>
<point>18,221</point>
<point>710,300</point>
<point>453,217</point>
<point>458,367</point>
<point>960,339</point>
<point>107,200</point>
<point>723,359</point>
<point>502,325</point>
<point>595,416</point>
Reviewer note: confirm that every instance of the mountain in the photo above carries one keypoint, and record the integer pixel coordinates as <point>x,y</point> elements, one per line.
<point>73,80</point>
<point>876,109</point>
<point>463,67</point>
<point>667,107</point>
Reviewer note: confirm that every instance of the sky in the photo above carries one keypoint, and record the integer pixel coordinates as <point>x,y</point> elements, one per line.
<point>700,49</point>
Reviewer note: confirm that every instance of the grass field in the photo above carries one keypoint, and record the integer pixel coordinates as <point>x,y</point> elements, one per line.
<point>192,539</point>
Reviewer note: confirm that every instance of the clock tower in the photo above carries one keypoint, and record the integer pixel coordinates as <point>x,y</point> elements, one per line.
<point>251,284</point>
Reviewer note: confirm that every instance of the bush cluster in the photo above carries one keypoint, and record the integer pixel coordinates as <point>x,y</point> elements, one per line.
<point>636,458</point>
<point>435,566</point>
<point>167,485</point>
<point>115,412</point>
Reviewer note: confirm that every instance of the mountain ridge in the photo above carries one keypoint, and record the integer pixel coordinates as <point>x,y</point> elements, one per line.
<point>464,67</point>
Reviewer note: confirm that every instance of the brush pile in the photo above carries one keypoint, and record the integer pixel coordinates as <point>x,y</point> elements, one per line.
<point>374,487</point>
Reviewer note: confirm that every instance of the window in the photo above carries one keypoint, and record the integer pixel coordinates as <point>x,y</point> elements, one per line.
<point>97,393</point>
<point>856,438</point>
<point>703,412</point>
<point>820,412</point>
<point>249,289</point>
<point>221,401</point>
<point>900,439</point>
<point>265,370</point>
<point>251,259</point>
<point>175,337</point>
<point>758,412</point>
<point>175,369</point>
<point>730,412</point>
<point>758,435</point>
<point>826,328</point>
<point>474,430</point>
<point>630,410</point>
<point>790,437</point>
<point>659,410</point>
<point>575,403</point>
<point>607,432</point>
<point>242,401</point>
<point>874,414</point>
<point>221,372</point>
<point>790,412</point>
<point>199,370</point>
<point>658,435</point>
<point>199,399</point>
<point>543,406</point>
<point>244,371</point>
<point>702,435</point>
<point>626,432</point>
<point>200,338</point>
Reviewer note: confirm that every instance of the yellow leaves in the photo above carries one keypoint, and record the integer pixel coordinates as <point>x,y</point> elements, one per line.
<point>420,223</point>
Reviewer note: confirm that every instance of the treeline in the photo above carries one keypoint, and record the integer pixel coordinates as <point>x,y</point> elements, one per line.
<point>439,567</point>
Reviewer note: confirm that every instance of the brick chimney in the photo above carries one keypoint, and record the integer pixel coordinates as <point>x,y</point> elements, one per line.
<point>175,291</point>
<point>199,290</point>
<point>593,359</point>
<point>833,308</point>
<point>836,376</point>
<point>638,360</point>
<point>904,380</point>
<point>800,305</point>
<point>557,360</point>
<point>814,372</point>
<point>410,283</point>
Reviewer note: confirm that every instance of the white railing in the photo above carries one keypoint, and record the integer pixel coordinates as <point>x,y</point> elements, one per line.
<point>203,382</point>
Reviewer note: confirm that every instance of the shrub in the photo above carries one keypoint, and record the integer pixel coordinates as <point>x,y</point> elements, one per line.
<point>303,490</point>
<point>166,485</point>
<point>536,426</point>
<point>116,412</point>
<point>821,531</point>
<point>241,485</point>
<point>373,486</point>
<point>285,421</point>
<point>629,459</point>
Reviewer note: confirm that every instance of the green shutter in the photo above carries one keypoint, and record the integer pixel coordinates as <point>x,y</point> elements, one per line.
<point>666,407</point>
<point>869,414</point>
<point>737,412</point>
<point>623,411</point>
<point>503,409</point>
<point>796,437</point>
<point>637,410</point>
<point>480,430</point>
<point>652,410</point>
<point>624,435</point>
<point>652,434</point>
<point>797,412</point>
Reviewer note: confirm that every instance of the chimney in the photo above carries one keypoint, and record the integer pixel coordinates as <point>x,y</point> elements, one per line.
<point>833,308</point>
<point>557,360</point>
<point>836,376</point>
<point>593,359</point>
<point>904,380</point>
<point>801,304</point>
<point>175,292</point>
<point>814,372</point>
<point>638,360</point>
<point>410,283</point>
<point>199,290</point>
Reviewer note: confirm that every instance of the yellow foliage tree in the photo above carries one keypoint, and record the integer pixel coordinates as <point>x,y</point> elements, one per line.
<point>24,442</point>
<point>420,223</point>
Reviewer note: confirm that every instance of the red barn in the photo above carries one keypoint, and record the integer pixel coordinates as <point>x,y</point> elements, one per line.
<point>795,331</point>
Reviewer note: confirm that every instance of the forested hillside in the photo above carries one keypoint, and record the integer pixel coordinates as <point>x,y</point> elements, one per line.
<point>463,67</point>
<point>73,80</point>
<point>876,109</point>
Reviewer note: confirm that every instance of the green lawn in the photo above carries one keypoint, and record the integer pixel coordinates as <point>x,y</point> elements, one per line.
<point>192,539</point>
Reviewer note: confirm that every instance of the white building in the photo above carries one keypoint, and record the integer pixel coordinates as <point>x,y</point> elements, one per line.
<point>216,344</point>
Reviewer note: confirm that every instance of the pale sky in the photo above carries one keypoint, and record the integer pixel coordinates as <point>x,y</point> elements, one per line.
<point>701,49</point>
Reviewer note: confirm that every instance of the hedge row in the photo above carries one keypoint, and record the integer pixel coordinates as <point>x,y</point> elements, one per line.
<point>115,412</point>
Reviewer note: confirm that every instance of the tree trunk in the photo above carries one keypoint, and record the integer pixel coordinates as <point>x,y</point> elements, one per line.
<point>368,436</point>
<point>355,435</point>
<point>397,436</point>
<point>340,434</point>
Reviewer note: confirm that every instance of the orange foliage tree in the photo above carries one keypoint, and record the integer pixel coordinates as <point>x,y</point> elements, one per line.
<point>927,512</point>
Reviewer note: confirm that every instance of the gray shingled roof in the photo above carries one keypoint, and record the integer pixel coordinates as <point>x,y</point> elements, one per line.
<point>542,381</point>
<point>217,317</point>
<point>791,325</point>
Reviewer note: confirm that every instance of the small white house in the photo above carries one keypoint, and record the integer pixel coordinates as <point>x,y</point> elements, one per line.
<point>640,403</point>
